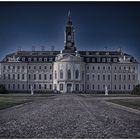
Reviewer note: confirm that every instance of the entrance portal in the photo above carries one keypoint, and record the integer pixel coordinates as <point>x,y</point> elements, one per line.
<point>69,88</point>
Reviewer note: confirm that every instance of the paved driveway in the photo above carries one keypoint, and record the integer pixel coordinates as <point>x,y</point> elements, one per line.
<point>68,116</point>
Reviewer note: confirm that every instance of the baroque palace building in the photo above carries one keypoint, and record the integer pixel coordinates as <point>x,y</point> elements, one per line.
<point>69,70</point>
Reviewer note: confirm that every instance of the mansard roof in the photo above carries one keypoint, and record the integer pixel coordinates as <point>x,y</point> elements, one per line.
<point>88,56</point>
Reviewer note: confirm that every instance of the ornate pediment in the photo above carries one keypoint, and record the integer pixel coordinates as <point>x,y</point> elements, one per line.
<point>68,57</point>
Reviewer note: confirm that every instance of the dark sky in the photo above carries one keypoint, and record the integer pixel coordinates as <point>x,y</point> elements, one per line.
<point>97,25</point>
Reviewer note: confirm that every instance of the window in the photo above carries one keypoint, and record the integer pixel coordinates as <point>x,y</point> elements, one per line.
<point>119,77</point>
<point>69,74</point>
<point>50,67</point>
<point>34,86</point>
<point>18,76</point>
<point>104,87</point>
<point>61,87</point>
<point>124,87</point>
<point>29,76</point>
<point>9,86</point>
<point>108,87</point>
<point>4,67</point>
<point>29,67</point>
<point>39,86</point>
<point>55,75</point>
<point>87,76</point>
<point>109,77</point>
<point>45,86</point>
<point>61,74</point>
<point>93,59</point>
<point>104,68</point>
<point>93,67</point>
<point>40,67</point>
<point>129,77</point>
<point>103,77</point>
<point>39,76</point>
<point>4,76</point>
<point>87,87</point>
<point>115,59</point>
<point>98,59</point>
<point>50,87</point>
<point>119,68</point>
<point>129,87</point>
<point>87,67</point>
<point>34,67</point>
<point>93,76</point>
<point>9,67</point>
<point>40,59</point>
<point>98,77</point>
<point>8,76</point>
<point>103,59</point>
<point>114,86</point>
<point>45,67</point>
<point>18,67</point>
<point>98,68</point>
<point>115,77</point>
<point>120,87</point>
<point>13,67</point>
<point>92,86</point>
<point>50,76</point>
<point>34,76</point>
<point>108,68</point>
<point>13,76</point>
<point>22,76</point>
<point>124,77</point>
<point>13,86</point>
<point>18,86</point>
<point>45,76</point>
<point>76,74</point>
<point>88,59</point>
<point>108,59</point>
<point>23,67</point>
<point>77,87</point>
<point>133,77</point>
<point>98,87</point>
<point>23,86</point>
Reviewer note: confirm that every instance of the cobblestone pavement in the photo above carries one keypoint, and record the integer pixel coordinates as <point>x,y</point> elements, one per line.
<point>68,116</point>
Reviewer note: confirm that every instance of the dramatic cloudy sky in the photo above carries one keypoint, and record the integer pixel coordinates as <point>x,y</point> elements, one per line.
<point>97,25</point>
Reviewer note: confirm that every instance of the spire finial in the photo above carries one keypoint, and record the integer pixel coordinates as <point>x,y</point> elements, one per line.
<point>69,15</point>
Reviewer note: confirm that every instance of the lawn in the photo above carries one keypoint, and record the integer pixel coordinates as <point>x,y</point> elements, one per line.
<point>9,100</point>
<point>132,103</point>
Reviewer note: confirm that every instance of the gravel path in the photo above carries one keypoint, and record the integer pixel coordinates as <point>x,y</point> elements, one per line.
<point>68,116</point>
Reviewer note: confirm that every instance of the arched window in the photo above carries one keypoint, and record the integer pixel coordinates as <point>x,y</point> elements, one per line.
<point>55,75</point>
<point>76,74</point>
<point>61,74</point>
<point>69,74</point>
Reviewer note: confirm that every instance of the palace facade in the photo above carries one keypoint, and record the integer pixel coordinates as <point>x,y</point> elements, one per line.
<point>69,70</point>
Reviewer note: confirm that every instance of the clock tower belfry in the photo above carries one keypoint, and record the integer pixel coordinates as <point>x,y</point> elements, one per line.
<point>69,45</point>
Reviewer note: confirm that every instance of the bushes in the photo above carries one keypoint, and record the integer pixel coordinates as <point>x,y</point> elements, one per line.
<point>3,90</point>
<point>136,90</point>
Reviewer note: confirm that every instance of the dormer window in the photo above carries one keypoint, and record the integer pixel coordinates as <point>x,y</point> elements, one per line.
<point>35,59</point>
<point>29,59</point>
<point>50,59</point>
<point>23,59</point>
<point>108,59</point>
<point>40,59</point>
<point>45,59</point>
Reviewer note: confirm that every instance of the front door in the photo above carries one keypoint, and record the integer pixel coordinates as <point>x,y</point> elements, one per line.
<point>69,86</point>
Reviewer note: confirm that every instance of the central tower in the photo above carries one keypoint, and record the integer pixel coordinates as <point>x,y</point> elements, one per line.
<point>69,44</point>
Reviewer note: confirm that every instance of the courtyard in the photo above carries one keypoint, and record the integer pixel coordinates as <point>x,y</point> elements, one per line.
<point>69,116</point>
